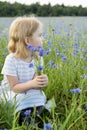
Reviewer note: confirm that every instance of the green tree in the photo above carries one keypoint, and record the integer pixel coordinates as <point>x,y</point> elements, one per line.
<point>17,9</point>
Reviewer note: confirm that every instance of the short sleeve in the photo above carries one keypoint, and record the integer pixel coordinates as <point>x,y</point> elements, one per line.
<point>9,67</point>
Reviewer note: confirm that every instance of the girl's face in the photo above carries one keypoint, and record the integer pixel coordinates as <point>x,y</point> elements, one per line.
<point>37,38</point>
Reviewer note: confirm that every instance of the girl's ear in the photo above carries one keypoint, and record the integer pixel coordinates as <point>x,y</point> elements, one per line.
<point>28,40</point>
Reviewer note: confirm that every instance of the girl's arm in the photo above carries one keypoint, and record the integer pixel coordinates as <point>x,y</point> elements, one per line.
<point>37,82</point>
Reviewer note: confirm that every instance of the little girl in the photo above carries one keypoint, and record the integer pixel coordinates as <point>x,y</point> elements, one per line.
<point>20,79</point>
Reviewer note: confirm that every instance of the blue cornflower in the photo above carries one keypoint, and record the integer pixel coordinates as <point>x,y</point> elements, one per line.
<point>64,58</point>
<point>49,44</point>
<point>75,90</point>
<point>51,62</point>
<point>54,66</point>
<point>62,73</point>
<point>85,59</point>
<point>61,55</point>
<point>84,76</point>
<point>27,112</point>
<point>39,47</point>
<point>76,51</point>
<point>33,49</point>
<point>31,65</point>
<point>57,51</point>
<point>38,61</point>
<point>41,52</point>
<point>29,46</point>
<point>86,107</point>
<point>4,55</point>
<point>47,51</point>
<point>48,126</point>
<point>40,67</point>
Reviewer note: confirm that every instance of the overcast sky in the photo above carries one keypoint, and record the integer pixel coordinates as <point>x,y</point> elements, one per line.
<point>53,2</point>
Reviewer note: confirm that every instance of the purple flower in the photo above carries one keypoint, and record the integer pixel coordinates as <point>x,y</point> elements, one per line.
<point>75,90</point>
<point>61,55</point>
<point>38,61</point>
<point>40,67</point>
<point>27,112</point>
<point>47,51</point>
<point>49,44</point>
<point>41,52</point>
<point>57,52</point>
<point>39,47</point>
<point>48,126</point>
<point>31,65</point>
<point>86,107</point>
<point>33,49</point>
<point>54,66</point>
<point>51,62</point>
<point>84,76</point>
<point>64,58</point>
<point>29,46</point>
<point>62,73</point>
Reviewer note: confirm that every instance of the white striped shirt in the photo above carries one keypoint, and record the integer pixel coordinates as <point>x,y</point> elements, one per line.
<point>17,67</point>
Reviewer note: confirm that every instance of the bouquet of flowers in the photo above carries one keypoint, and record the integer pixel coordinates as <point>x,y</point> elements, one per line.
<point>37,55</point>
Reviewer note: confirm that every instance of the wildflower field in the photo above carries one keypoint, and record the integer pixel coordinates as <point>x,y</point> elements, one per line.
<point>66,66</point>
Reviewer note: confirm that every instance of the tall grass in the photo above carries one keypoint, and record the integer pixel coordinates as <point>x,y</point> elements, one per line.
<point>66,67</point>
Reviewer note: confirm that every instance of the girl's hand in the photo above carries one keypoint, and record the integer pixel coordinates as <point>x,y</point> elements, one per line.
<point>40,81</point>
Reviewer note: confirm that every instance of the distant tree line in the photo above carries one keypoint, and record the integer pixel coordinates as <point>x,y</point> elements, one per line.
<point>16,9</point>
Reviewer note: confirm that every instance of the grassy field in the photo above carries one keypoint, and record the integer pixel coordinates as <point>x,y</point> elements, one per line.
<point>66,67</point>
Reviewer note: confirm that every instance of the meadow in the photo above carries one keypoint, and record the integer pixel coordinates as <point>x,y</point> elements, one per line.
<point>66,67</point>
